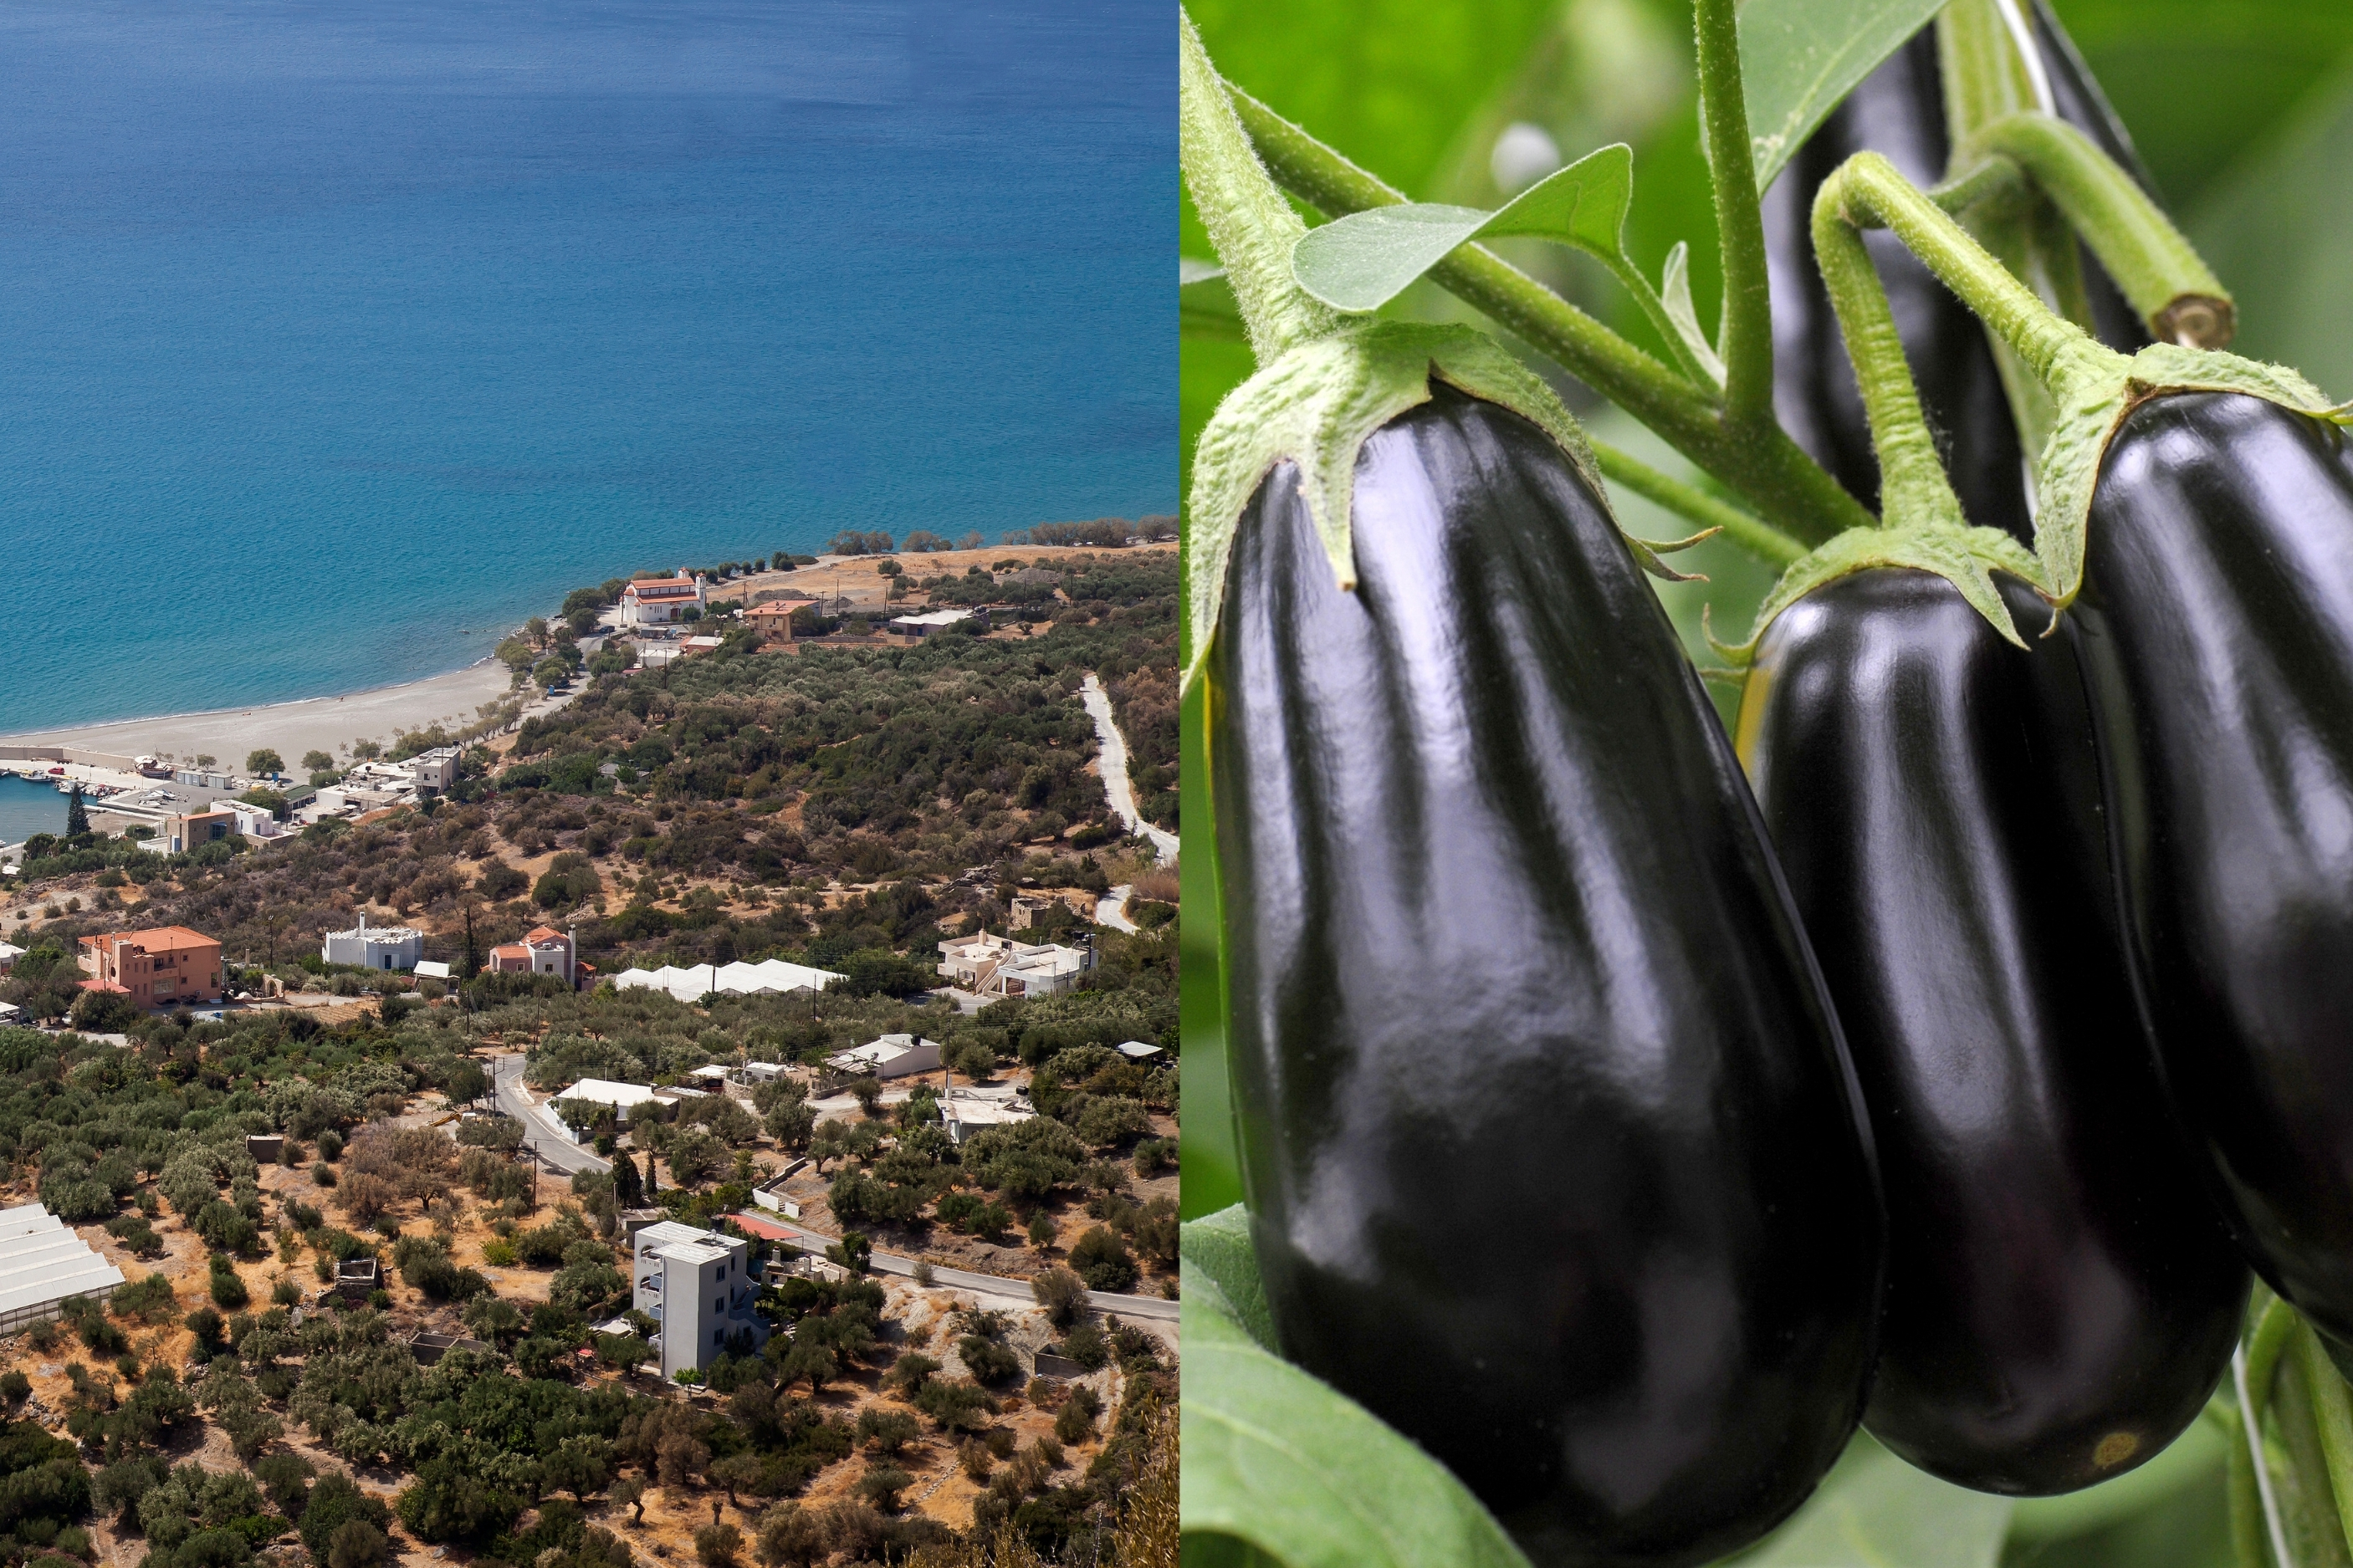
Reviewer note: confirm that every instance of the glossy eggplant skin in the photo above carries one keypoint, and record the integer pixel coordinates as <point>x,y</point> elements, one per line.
<point>2216,626</point>
<point>1898,111</point>
<point>2060,1298</point>
<point>1554,1156</point>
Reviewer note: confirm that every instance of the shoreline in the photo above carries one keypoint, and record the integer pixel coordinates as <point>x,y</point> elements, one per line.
<point>293,726</point>
<point>300,724</point>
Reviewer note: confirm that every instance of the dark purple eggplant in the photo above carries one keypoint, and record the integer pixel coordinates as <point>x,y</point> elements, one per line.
<point>2216,624</point>
<point>2060,1299</point>
<point>1553,1153</point>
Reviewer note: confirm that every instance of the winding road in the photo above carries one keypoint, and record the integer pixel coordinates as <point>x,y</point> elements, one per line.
<point>1115,770</point>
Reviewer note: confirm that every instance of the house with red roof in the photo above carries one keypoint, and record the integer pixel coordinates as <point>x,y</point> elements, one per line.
<point>656,601</point>
<point>774,619</point>
<point>544,950</point>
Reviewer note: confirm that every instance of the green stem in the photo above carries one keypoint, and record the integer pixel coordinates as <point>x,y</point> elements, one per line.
<point>1985,77</point>
<point>1250,224</point>
<point>1867,191</point>
<point>2275,1331</point>
<point>1747,331</point>
<point>1760,539</point>
<point>1788,487</point>
<point>1912,488</point>
<point>2332,1410</point>
<point>2159,269</point>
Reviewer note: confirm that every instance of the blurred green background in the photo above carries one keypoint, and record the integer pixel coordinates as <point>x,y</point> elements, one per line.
<point>2242,109</point>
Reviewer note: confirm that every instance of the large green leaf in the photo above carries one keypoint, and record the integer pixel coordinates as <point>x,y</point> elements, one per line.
<point>1873,1510</point>
<point>1799,57</point>
<point>1285,1463</point>
<point>1363,261</point>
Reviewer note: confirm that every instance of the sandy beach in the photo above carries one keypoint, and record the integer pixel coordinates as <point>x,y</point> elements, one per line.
<point>321,723</point>
<point>330,724</point>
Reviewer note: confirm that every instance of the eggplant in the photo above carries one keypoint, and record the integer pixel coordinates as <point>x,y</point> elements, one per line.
<point>1899,110</point>
<point>2060,1299</point>
<point>2216,625</point>
<point>1554,1156</point>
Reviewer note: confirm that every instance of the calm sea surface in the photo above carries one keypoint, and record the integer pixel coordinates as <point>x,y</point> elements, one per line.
<point>26,809</point>
<point>337,338</point>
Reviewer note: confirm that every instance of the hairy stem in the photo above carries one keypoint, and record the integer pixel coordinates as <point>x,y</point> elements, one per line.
<point>1789,488</point>
<point>1747,335</point>
<point>2158,269</point>
<point>1760,539</point>
<point>1250,224</point>
<point>1912,488</point>
<point>1868,192</point>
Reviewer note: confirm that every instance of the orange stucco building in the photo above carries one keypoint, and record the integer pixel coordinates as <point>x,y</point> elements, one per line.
<point>161,967</point>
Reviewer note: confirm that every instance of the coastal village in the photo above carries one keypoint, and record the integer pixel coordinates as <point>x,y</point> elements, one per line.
<point>753,1050</point>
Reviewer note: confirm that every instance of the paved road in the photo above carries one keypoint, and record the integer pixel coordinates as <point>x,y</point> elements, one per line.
<point>1113,911</point>
<point>1115,770</point>
<point>987,1284</point>
<point>554,1150</point>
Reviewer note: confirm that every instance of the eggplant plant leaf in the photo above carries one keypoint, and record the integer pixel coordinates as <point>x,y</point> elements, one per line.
<point>1799,57</point>
<point>1873,1510</point>
<point>1281,1463</point>
<point>1363,261</point>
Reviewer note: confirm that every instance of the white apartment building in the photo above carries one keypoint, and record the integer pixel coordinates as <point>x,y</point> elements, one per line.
<point>990,965</point>
<point>700,1287</point>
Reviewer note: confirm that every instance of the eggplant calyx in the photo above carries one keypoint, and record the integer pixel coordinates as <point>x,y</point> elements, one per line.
<point>2091,408</point>
<point>1965,557</point>
<point>1314,406</point>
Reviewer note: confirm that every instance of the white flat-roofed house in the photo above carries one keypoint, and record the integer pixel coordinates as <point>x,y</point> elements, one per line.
<point>700,1287</point>
<point>622,1097</point>
<point>965,1112</point>
<point>991,965</point>
<point>888,1055</point>
<point>384,947</point>
<point>253,821</point>
<point>655,601</point>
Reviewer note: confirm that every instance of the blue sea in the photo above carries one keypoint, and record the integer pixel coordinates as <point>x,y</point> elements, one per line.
<point>26,809</point>
<point>336,338</point>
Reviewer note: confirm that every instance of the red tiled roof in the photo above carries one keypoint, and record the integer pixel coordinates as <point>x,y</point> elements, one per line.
<point>779,607</point>
<point>543,934</point>
<point>510,950</point>
<point>661,587</point>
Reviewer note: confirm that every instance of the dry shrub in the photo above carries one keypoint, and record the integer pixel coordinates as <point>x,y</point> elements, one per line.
<point>1158,884</point>
<point>363,1196</point>
<point>413,1162</point>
